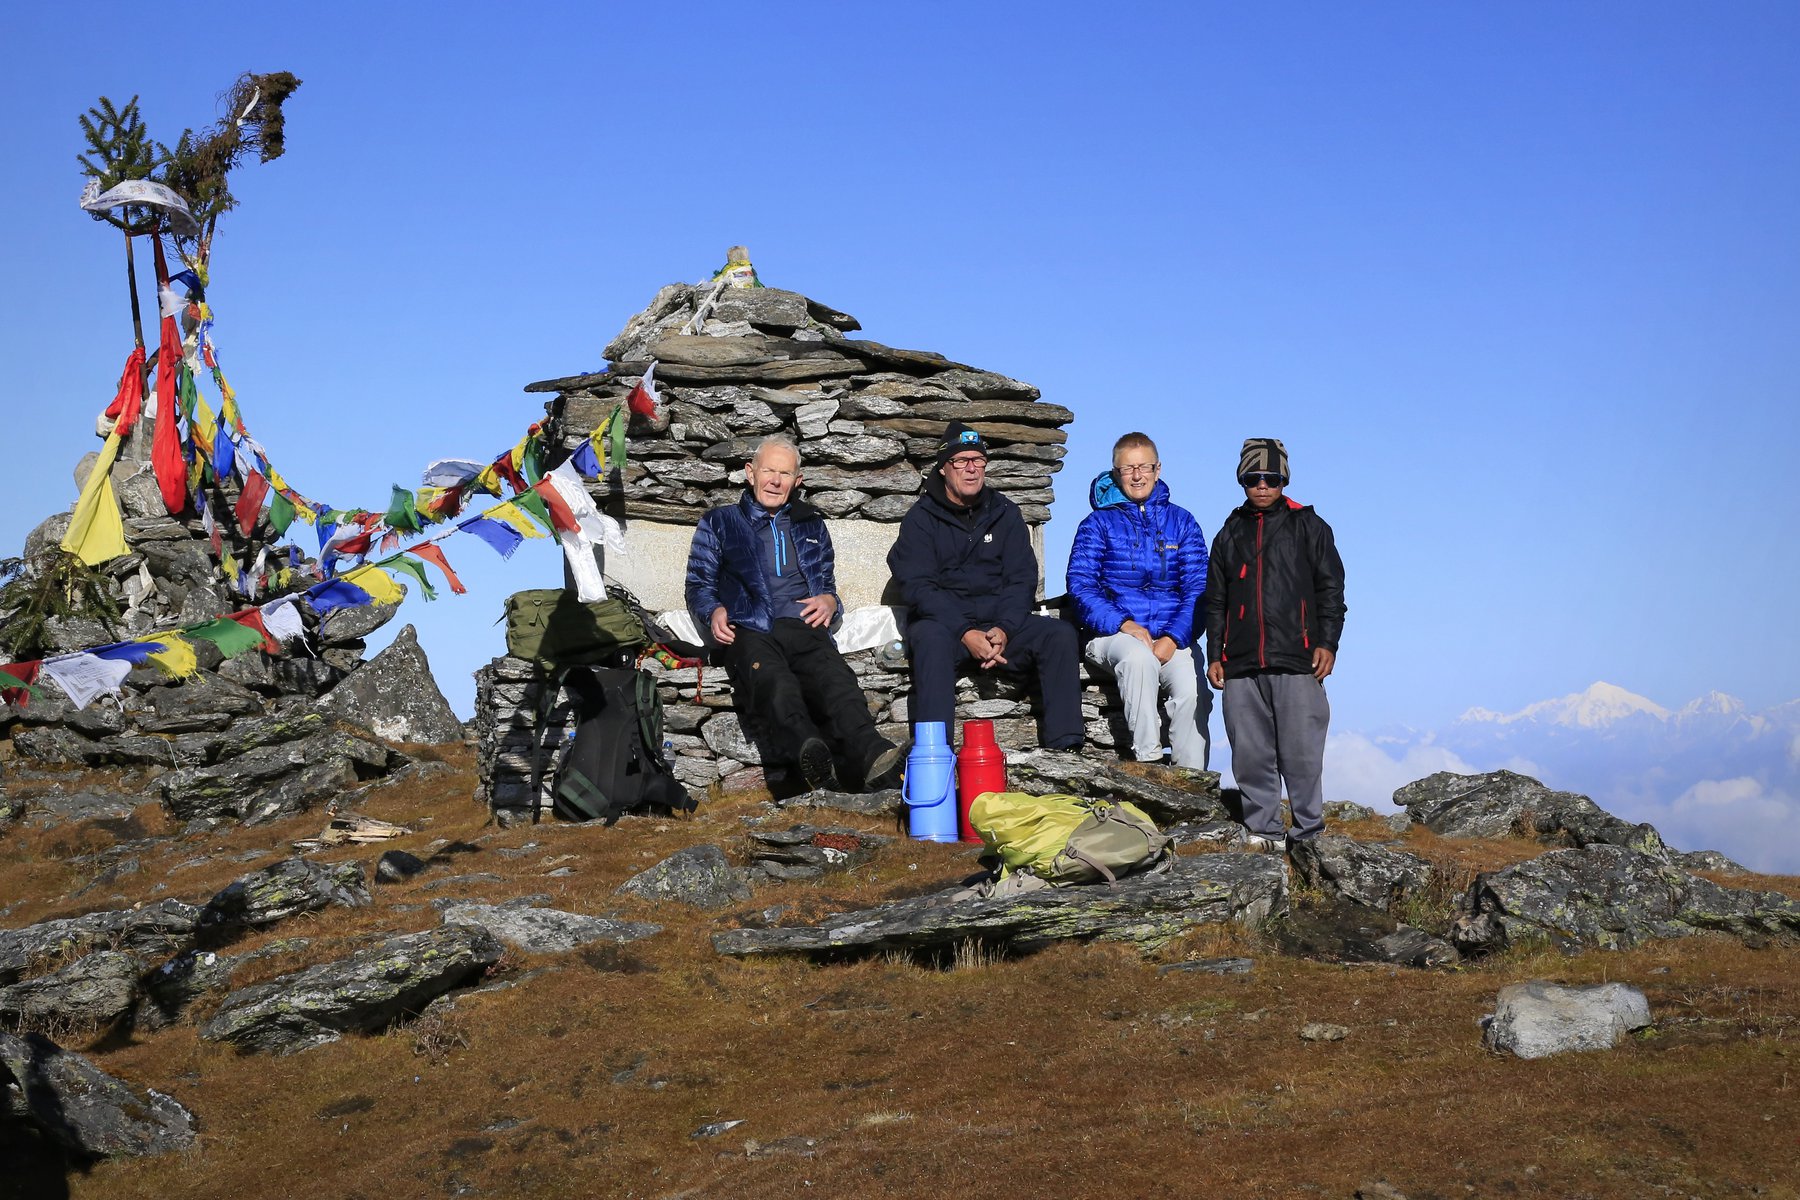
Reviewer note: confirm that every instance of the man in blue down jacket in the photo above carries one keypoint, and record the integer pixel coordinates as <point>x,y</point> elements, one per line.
<point>1274,611</point>
<point>762,581</point>
<point>1136,571</point>
<point>966,570</point>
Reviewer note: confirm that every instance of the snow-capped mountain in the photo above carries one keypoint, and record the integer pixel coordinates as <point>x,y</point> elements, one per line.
<point>1710,773</point>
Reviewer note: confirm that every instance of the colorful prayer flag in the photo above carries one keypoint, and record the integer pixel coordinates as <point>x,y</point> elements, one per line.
<point>249,504</point>
<point>502,537</point>
<point>643,399</point>
<point>432,553</point>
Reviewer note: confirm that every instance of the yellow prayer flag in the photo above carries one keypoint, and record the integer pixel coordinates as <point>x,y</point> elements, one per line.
<point>176,659</point>
<point>378,583</point>
<point>512,515</point>
<point>97,530</point>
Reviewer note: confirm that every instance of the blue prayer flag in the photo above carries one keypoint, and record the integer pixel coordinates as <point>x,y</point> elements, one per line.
<point>586,461</point>
<point>334,594</point>
<point>501,536</point>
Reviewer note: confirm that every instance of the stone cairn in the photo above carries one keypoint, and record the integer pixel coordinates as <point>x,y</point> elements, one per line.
<point>733,365</point>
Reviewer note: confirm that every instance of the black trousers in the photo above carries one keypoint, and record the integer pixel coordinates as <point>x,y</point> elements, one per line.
<point>794,683</point>
<point>1046,643</point>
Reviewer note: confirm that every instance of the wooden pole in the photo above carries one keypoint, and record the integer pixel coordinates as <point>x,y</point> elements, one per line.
<point>137,320</point>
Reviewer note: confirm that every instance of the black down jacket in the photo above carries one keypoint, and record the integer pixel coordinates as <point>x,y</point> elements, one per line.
<point>1274,590</point>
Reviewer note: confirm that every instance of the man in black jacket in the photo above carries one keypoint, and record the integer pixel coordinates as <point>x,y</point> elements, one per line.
<point>1274,610</point>
<point>966,570</point>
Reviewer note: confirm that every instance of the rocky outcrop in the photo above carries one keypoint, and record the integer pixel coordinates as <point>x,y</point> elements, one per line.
<point>1144,910</point>
<point>1537,1019</point>
<point>1613,898</point>
<point>809,851</point>
<point>395,696</point>
<point>1367,873</point>
<point>156,929</point>
<point>1503,804</point>
<point>287,889</point>
<point>90,993</point>
<point>365,992</point>
<point>87,1112</point>
<point>546,930</point>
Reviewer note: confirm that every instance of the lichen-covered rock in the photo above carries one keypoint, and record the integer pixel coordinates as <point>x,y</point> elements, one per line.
<point>1502,803</point>
<point>83,1109</point>
<point>1144,910</point>
<point>1536,1019</point>
<point>1172,795</point>
<point>698,875</point>
<point>1613,898</point>
<point>269,781</point>
<point>546,930</point>
<point>365,992</point>
<point>91,992</point>
<point>1338,930</point>
<point>395,695</point>
<point>161,928</point>
<point>287,889</point>
<point>1368,874</point>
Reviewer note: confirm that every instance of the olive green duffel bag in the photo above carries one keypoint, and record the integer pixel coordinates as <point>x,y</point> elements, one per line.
<point>550,627</point>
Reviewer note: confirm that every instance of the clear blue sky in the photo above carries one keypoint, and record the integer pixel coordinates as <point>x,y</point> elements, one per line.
<point>1518,284</point>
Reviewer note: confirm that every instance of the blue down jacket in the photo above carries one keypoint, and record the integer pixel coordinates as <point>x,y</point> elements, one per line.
<point>725,568</point>
<point>965,568</point>
<point>1145,563</point>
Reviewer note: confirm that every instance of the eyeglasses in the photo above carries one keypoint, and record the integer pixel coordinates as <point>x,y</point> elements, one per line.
<point>969,463</point>
<point>1262,479</point>
<point>1139,470</point>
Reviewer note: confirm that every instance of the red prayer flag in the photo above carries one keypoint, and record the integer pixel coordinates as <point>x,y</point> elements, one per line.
<point>643,398</point>
<point>560,514</point>
<point>26,673</point>
<point>251,619</point>
<point>430,552</point>
<point>504,466</point>
<point>128,403</point>
<point>249,503</point>
<point>165,447</point>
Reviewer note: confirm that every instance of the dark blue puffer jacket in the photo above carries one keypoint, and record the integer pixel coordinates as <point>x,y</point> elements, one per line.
<point>1144,563</point>
<point>725,568</point>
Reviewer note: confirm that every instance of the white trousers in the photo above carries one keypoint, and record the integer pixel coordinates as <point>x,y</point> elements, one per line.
<point>1141,681</point>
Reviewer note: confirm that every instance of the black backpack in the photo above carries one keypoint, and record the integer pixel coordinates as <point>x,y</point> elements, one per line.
<point>614,763</point>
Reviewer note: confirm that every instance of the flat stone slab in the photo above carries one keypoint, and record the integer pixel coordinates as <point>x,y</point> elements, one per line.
<point>546,930</point>
<point>1145,910</point>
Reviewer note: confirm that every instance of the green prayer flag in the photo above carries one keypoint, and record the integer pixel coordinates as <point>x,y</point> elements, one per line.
<point>281,513</point>
<point>184,383</point>
<point>231,638</point>
<point>413,567</point>
<point>616,424</point>
<point>534,504</point>
<point>530,462</point>
<point>403,512</point>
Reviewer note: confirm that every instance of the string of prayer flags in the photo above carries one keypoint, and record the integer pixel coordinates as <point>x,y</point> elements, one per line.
<point>249,504</point>
<point>251,619</point>
<point>512,516</point>
<point>135,653</point>
<point>431,553</point>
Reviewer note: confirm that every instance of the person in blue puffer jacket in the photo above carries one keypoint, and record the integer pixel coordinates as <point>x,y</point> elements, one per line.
<point>1137,571</point>
<point>762,586</point>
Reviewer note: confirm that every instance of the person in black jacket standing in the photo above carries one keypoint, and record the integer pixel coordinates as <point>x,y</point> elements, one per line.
<point>1274,610</point>
<point>967,573</point>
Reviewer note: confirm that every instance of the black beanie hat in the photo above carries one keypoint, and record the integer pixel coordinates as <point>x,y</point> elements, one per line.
<point>957,438</point>
<point>1263,456</point>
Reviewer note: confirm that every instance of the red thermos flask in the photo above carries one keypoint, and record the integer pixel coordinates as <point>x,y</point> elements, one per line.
<point>980,767</point>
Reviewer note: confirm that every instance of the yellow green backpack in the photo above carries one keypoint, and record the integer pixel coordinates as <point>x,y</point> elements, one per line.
<point>1068,839</point>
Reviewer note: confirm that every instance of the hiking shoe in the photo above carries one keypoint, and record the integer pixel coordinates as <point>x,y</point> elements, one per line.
<point>884,771</point>
<point>1263,843</point>
<point>816,766</point>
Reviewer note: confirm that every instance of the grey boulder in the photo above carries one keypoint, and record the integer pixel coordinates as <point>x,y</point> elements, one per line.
<point>90,993</point>
<point>83,1109</point>
<point>365,992</point>
<point>698,875</point>
<point>1368,874</point>
<point>395,695</point>
<point>1502,803</point>
<point>287,889</point>
<point>1171,796</point>
<point>161,928</point>
<point>1536,1019</point>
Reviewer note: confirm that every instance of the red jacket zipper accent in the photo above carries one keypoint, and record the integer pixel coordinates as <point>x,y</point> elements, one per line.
<point>1305,639</point>
<point>1262,632</point>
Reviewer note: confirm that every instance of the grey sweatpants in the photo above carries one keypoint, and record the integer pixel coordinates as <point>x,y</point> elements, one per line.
<point>1276,725</point>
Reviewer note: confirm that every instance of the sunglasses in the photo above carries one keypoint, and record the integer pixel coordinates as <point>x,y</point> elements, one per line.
<point>1261,479</point>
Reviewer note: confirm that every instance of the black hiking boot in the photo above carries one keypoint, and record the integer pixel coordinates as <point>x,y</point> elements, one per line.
<point>816,766</point>
<point>884,769</point>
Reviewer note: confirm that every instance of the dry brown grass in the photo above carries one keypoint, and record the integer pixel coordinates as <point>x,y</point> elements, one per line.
<point>1078,1071</point>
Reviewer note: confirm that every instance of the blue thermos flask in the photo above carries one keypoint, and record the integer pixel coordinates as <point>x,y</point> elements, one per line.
<point>930,786</point>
